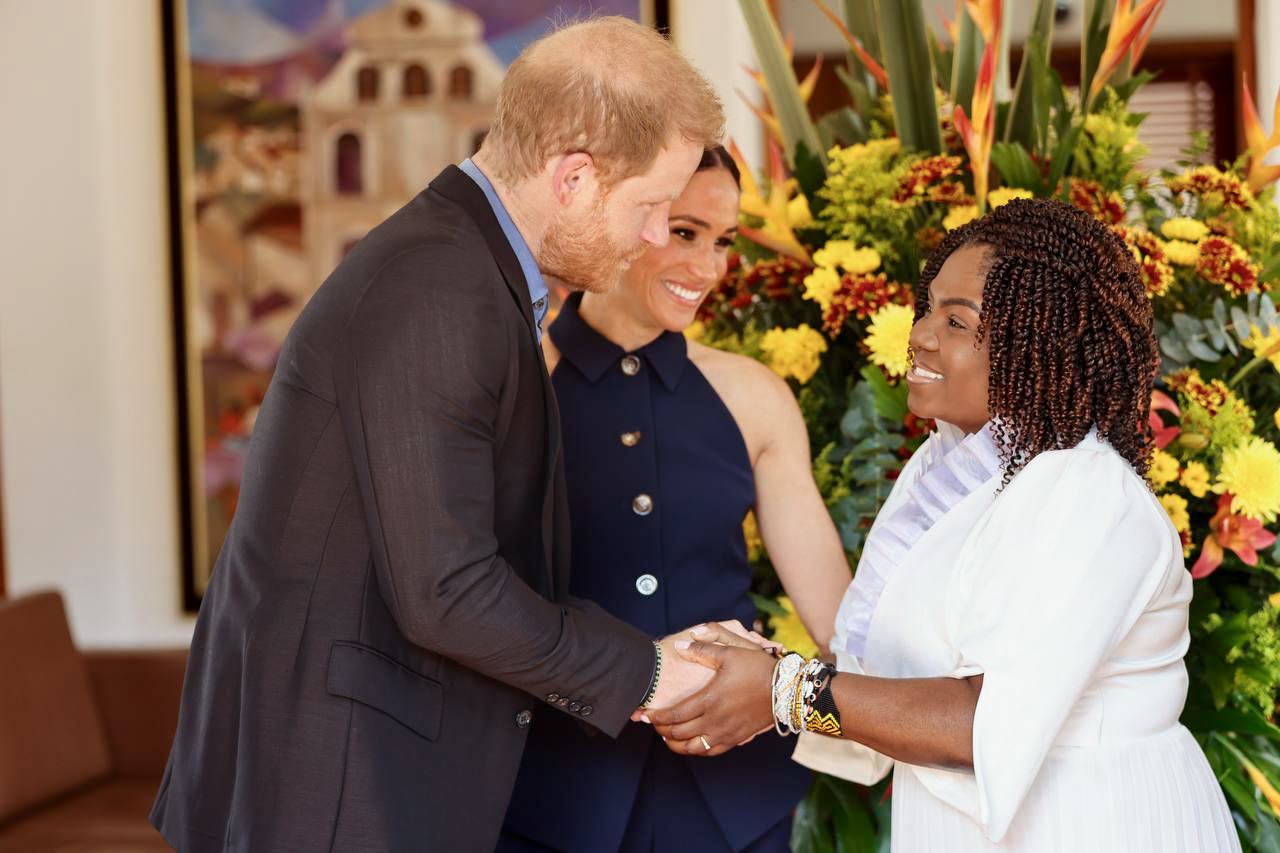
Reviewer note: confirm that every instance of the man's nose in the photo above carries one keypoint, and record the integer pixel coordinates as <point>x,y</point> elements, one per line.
<point>655,231</point>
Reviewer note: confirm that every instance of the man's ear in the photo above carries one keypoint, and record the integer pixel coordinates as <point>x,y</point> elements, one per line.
<point>573,174</point>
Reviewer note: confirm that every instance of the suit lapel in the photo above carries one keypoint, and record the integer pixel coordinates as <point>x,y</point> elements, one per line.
<point>455,185</point>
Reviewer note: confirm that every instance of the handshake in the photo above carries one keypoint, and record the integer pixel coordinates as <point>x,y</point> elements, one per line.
<point>713,691</point>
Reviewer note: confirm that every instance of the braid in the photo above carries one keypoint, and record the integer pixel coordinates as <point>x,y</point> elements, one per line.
<point>1069,331</point>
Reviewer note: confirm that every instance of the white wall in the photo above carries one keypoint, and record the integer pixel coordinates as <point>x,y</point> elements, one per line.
<point>86,385</point>
<point>1266,27</point>
<point>713,35</point>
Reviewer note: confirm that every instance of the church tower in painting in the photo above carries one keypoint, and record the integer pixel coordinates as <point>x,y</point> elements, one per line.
<point>414,91</point>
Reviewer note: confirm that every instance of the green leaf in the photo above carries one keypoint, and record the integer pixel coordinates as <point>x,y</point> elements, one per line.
<point>767,605</point>
<point>1125,90</point>
<point>1172,346</point>
<point>1095,23</point>
<point>943,58</point>
<point>890,401</point>
<point>854,828</point>
<point>788,106</point>
<point>1240,323</point>
<point>1016,167</point>
<point>1062,155</point>
<point>1188,327</point>
<point>1201,350</point>
<point>966,56</point>
<point>862,19</point>
<point>1271,270</point>
<point>863,101</point>
<point>910,70</point>
<point>1023,121</point>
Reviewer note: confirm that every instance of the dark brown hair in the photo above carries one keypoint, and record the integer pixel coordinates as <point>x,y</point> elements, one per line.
<point>719,158</point>
<point>1069,330</point>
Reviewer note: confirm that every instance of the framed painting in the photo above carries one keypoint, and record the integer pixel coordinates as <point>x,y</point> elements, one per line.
<point>295,126</point>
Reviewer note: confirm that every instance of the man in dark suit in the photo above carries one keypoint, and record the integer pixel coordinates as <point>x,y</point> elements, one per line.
<point>388,614</point>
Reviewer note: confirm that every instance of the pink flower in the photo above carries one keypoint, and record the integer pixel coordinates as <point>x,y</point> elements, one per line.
<point>1242,535</point>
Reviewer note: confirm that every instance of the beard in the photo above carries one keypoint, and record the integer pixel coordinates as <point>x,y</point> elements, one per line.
<point>580,252</point>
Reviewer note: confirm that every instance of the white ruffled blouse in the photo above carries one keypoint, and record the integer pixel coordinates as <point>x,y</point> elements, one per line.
<point>1068,592</point>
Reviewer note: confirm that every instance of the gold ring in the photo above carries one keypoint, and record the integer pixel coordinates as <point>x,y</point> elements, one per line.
<point>705,745</point>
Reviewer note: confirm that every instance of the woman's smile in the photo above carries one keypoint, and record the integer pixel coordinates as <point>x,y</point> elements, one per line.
<point>685,295</point>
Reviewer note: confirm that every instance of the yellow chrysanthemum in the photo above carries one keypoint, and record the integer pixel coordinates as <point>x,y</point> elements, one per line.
<point>1277,418</point>
<point>695,330</point>
<point>1184,228</point>
<point>1182,253</point>
<point>1251,472</point>
<point>820,285</point>
<point>790,631</point>
<point>861,261</point>
<point>888,338</point>
<point>794,352</point>
<point>1164,469</point>
<point>1268,344</point>
<point>833,253</point>
<point>1004,195</point>
<point>1176,506</point>
<point>960,215</point>
<point>1195,479</point>
<point>751,536</point>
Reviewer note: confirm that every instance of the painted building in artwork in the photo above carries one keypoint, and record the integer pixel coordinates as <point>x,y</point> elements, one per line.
<point>414,91</point>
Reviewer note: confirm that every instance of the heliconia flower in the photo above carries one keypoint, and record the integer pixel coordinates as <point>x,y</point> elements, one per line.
<point>1242,535</point>
<point>1260,174</point>
<point>977,131</point>
<point>805,87</point>
<point>1130,28</point>
<point>1164,435</point>
<point>874,68</point>
<point>777,232</point>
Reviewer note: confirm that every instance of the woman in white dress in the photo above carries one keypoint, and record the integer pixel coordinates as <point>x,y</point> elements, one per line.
<point>1012,642</point>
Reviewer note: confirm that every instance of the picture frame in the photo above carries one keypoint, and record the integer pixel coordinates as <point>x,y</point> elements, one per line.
<point>291,129</point>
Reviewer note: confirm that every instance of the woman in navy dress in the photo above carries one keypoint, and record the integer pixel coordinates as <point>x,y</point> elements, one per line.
<point>668,445</point>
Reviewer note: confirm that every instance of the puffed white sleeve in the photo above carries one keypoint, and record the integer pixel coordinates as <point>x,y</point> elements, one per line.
<point>1048,584</point>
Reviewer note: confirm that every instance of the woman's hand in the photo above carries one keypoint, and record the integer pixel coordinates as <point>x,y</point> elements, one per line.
<point>735,707</point>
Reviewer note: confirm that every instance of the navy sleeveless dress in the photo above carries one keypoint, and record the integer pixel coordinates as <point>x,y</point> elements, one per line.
<point>659,483</point>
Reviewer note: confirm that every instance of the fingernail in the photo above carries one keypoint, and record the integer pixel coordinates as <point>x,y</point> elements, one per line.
<point>682,644</point>
<point>644,718</point>
<point>698,631</point>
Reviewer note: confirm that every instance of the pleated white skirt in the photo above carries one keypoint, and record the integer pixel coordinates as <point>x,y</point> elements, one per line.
<point>1153,795</point>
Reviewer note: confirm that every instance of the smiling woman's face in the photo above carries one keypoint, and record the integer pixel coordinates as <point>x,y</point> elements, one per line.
<point>949,378</point>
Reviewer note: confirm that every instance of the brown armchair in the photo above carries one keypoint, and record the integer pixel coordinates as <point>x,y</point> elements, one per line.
<point>83,736</point>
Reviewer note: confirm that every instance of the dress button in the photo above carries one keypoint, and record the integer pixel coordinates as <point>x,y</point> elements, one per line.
<point>575,707</point>
<point>647,584</point>
<point>642,505</point>
<point>551,697</point>
<point>524,718</point>
<point>630,439</point>
<point>630,365</point>
<point>586,710</point>
<point>562,701</point>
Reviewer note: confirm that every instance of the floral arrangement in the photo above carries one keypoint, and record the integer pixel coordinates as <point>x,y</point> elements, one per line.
<point>833,240</point>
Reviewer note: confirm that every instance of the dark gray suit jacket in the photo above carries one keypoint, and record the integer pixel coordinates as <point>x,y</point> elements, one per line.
<point>391,594</point>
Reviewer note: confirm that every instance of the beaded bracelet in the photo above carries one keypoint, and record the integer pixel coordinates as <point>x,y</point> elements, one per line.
<point>785,685</point>
<point>657,673</point>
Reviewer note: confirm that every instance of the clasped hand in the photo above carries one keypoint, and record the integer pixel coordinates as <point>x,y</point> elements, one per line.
<point>714,690</point>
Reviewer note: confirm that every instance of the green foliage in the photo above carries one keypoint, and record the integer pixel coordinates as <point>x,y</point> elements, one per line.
<point>910,66</point>
<point>784,93</point>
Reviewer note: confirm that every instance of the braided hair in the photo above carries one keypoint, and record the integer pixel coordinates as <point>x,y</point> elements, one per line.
<point>1069,331</point>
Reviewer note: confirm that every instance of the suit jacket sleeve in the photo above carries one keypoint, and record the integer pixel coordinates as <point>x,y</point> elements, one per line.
<point>419,380</point>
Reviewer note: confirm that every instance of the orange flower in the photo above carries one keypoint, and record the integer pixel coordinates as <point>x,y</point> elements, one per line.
<point>1157,274</point>
<point>925,174</point>
<point>861,296</point>
<point>1090,197</point>
<point>1260,174</point>
<point>1224,263</point>
<point>978,131</point>
<point>1210,181</point>
<point>1242,535</point>
<point>1130,28</point>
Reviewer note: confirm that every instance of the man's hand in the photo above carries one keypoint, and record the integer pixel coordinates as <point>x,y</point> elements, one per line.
<point>683,675</point>
<point>732,709</point>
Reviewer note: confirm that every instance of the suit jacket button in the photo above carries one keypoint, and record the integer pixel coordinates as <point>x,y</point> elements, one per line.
<point>524,718</point>
<point>646,584</point>
<point>642,504</point>
<point>586,710</point>
<point>630,365</point>
<point>575,707</point>
<point>630,439</point>
<point>552,697</point>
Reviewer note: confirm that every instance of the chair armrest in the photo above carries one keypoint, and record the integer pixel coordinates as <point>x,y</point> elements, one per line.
<point>138,693</point>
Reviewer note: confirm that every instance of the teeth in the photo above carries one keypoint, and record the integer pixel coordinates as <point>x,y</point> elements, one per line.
<point>682,292</point>
<point>923,373</point>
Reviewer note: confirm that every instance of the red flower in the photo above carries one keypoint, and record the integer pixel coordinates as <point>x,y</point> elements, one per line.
<point>1164,435</point>
<point>1242,535</point>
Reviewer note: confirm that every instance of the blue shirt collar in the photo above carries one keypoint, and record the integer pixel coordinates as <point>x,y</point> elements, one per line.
<point>532,275</point>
